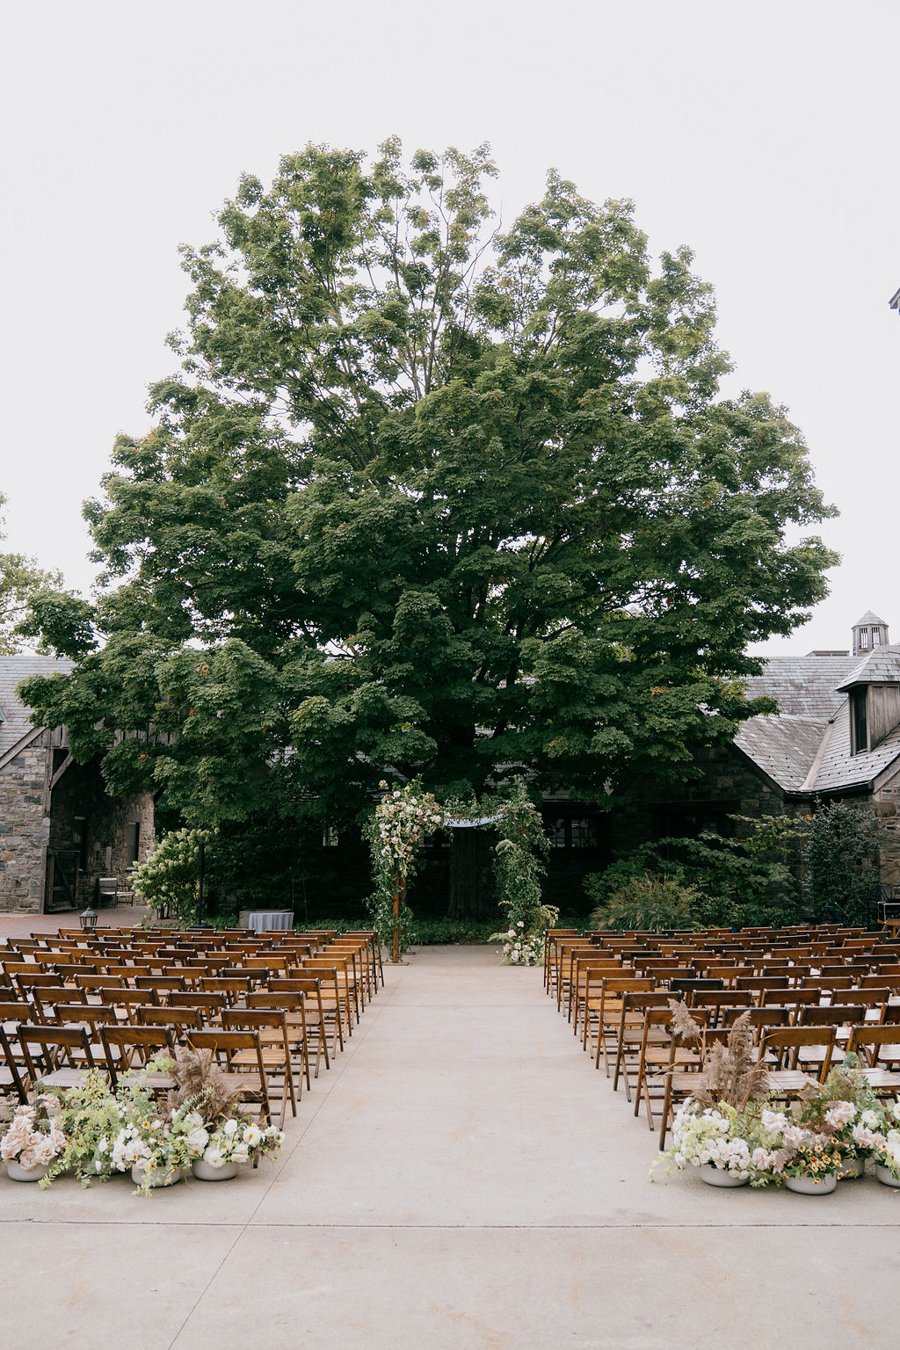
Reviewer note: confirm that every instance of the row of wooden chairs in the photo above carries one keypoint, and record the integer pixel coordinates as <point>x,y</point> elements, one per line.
<point>620,1003</point>
<point>70,1004</point>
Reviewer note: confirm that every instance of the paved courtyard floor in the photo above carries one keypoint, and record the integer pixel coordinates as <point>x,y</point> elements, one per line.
<point>462,1178</point>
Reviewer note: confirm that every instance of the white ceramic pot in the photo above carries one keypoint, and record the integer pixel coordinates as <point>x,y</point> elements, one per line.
<point>716,1176</point>
<point>16,1172</point>
<point>855,1167</point>
<point>205,1171</point>
<point>885,1176</point>
<point>811,1185</point>
<point>158,1178</point>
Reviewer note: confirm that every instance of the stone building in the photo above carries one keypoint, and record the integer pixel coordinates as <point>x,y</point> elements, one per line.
<point>836,735</point>
<point>59,829</point>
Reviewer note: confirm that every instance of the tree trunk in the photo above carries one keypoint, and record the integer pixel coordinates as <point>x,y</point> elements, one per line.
<point>471,889</point>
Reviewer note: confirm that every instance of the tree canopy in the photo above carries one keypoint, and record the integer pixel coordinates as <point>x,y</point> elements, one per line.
<point>21,580</point>
<point>431,497</point>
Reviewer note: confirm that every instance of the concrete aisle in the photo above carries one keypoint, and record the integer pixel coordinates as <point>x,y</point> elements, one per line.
<point>462,1179</point>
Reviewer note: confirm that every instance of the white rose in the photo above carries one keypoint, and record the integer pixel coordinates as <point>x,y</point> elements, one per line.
<point>230,1127</point>
<point>197,1140</point>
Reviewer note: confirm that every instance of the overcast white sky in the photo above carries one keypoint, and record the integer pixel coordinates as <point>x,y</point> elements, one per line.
<point>763,134</point>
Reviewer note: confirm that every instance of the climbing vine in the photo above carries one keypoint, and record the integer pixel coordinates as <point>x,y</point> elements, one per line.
<point>519,864</point>
<point>396,831</point>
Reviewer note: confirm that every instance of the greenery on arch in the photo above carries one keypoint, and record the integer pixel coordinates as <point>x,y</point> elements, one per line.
<point>397,830</point>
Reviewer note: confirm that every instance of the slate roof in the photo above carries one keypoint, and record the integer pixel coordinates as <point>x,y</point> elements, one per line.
<point>806,746</point>
<point>16,719</point>
<point>880,666</point>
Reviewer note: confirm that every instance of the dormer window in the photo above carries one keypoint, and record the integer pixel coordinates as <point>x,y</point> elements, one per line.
<point>859,720</point>
<point>864,639</point>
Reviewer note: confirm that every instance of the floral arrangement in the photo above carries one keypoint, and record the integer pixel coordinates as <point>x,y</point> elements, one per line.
<point>886,1147</point>
<point>729,1124</point>
<point>152,1139</point>
<point>239,1141</point>
<point>208,1100</point>
<point>34,1138</point>
<point>519,949</point>
<point>706,1136</point>
<point>90,1117</point>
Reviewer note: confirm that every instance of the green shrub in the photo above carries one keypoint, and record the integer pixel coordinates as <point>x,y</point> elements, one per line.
<point>652,902</point>
<point>841,876</point>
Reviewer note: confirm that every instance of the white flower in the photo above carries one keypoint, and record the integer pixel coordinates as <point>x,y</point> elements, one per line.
<point>840,1114</point>
<point>253,1136</point>
<point>214,1156</point>
<point>197,1139</point>
<point>869,1119</point>
<point>230,1127</point>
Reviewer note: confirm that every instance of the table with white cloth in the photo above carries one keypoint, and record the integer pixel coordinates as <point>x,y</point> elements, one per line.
<point>267,920</point>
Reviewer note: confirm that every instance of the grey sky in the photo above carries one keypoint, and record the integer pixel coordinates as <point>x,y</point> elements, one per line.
<point>764,135</point>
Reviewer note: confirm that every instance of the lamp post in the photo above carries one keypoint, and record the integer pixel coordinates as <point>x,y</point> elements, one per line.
<point>201,886</point>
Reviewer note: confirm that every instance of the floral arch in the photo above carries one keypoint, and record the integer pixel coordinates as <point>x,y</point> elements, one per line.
<point>397,831</point>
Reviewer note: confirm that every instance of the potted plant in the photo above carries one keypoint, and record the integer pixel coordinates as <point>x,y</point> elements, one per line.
<point>33,1139</point>
<point>806,1149</point>
<point>156,1143</point>
<point>717,1129</point>
<point>713,1139</point>
<point>884,1142</point>
<point>234,1142</point>
<point>227,1140</point>
<point>90,1117</point>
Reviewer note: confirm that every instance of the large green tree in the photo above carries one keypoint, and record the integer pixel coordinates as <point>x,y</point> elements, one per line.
<point>21,579</point>
<point>428,497</point>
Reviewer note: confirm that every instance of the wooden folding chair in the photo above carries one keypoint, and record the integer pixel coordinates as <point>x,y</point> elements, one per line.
<point>248,1074</point>
<point>293,1005</point>
<point>631,1031</point>
<point>314,1012</point>
<point>12,1083</point>
<point>661,1056</point>
<point>270,1024</point>
<point>127,1047</point>
<point>612,988</point>
<point>876,1045</point>
<point>52,1053</point>
<point>784,1045</point>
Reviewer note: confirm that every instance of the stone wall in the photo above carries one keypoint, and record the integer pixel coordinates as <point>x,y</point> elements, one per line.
<point>24,829</point>
<point>84,819</point>
<point>887,809</point>
<point>726,785</point>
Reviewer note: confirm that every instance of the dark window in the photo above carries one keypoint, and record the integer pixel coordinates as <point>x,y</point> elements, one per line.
<point>859,722</point>
<point>573,832</point>
<point>134,841</point>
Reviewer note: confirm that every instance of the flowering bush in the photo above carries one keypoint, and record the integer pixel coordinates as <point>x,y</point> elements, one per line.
<point>34,1137</point>
<point>240,1141</point>
<point>169,878</point>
